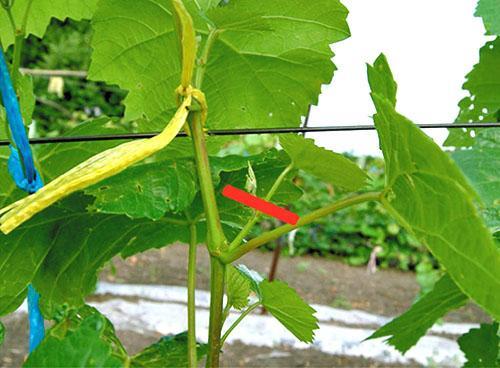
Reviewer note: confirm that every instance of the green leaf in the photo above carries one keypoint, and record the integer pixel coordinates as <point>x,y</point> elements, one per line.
<point>42,11</point>
<point>382,81</point>
<point>253,77</point>
<point>328,166</point>
<point>253,277</point>
<point>287,306</point>
<point>277,72</point>
<point>170,351</point>
<point>147,190</point>
<point>408,328</point>
<point>227,18</point>
<point>481,166</point>
<point>8,189</point>
<point>81,345</point>
<point>489,10</point>
<point>207,4</point>
<point>428,195</point>
<point>480,346</point>
<point>238,288</point>
<point>26,97</point>
<point>483,102</point>
<point>267,167</point>
<point>61,249</point>
<point>127,33</point>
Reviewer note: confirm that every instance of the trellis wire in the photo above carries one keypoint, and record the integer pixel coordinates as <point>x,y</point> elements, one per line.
<point>230,132</point>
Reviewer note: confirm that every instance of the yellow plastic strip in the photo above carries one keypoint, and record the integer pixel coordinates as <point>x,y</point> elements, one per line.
<point>187,36</point>
<point>92,171</point>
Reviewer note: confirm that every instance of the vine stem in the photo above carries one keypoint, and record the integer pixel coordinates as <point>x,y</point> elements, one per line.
<point>202,64</point>
<point>215,241</point>
<point>237,322</point>
<point>19,43</point>
<point>253,220</point>
<point>233,255</point>
<point>192,355</point>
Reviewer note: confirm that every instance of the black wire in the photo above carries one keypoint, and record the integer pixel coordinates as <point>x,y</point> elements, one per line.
<point>229,132</point>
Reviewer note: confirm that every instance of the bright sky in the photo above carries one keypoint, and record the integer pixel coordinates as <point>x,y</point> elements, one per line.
<point>430,44</point>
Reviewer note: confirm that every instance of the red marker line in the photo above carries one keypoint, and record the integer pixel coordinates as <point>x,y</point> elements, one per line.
<point>259,204</point>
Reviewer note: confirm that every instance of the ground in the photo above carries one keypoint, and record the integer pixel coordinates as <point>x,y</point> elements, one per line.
<point>318,280</point>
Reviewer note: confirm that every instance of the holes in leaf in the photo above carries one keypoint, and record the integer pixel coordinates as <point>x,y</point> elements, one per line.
<point>484,110</point>
<point>481,117</point>
<point>471,107</point>
<point>271,114</point>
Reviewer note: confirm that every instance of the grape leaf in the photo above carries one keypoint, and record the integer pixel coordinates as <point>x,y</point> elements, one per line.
<point>207,4</point>
<point>238,288</point>
<point>26,97</point>
<point>253,77</point>
<point>408,328</point>
<point>267,168</point>
<point>8,189</point>
<point>227,18</point>
<point>170,351</point>
<point>81,345</point>
<point>41,12</point>
<point>483,102</point>
<point>269,78</point>
<point>253,277</point>
<point>489,10</point>
<point>287,306</point>
<point>61,250</point>
<point>481,346</point>
<point>429,196</point>
<point>147,190</point>
<point>328,166</point>
<point>481,166</point>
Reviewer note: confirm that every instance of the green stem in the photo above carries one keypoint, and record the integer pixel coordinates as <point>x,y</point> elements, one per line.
<point>237,322</point>
<point>216,240</point>
<point>253,220</point>
<point>202,63</point>
<point>233,255</point>
<point>217,279</point>
<point>225,312</point>
<point>192,355</point>
<point>19,43</point>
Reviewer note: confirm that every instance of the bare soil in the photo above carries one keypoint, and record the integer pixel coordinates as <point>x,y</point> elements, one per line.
<point>318,280</point>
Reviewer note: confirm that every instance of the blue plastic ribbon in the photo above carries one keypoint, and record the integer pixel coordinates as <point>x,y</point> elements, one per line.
<point>22,170</point>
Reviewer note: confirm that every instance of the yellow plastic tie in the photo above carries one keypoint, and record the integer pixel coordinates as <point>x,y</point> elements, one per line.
<point>92,171</point>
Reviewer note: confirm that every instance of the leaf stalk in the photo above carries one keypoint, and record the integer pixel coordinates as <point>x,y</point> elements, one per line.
<point>247,311</point>
<point>233,255</point>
